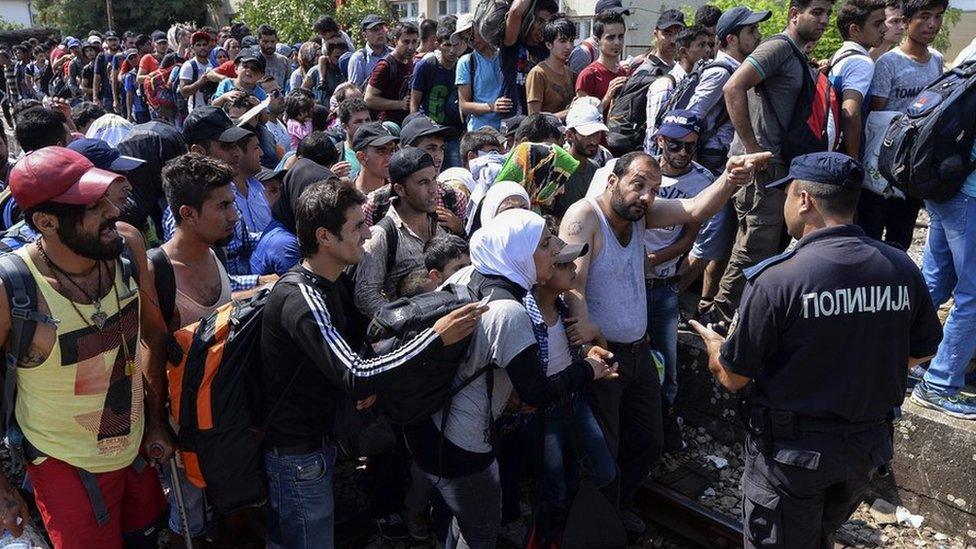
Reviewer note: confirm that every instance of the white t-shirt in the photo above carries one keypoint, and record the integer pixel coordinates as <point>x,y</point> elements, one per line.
<point>187,77</point>
<point>900,79</point>
<point>559,357</point>
<point>854,71</point>
<point>687,185</point>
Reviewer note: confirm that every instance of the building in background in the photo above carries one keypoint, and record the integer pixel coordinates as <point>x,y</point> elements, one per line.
<point>17,12</point>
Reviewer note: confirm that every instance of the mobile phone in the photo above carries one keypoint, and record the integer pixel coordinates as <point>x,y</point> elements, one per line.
<point>484,301</point>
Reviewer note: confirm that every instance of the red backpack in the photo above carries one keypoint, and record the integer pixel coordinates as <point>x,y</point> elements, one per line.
<point>815,124</point>
<point>156,90</point>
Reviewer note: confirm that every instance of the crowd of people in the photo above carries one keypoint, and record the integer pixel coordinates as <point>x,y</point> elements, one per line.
<point>453,153</point>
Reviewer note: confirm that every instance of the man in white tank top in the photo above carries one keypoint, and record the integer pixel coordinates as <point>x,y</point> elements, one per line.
<point>609,303</point>
<point>198,190</point>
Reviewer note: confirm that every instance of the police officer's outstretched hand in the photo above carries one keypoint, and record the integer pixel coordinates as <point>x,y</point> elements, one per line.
<point>740,169</point>
<point>459,323</point>
<point>601,361</point>
<point>713,340</point>
<point>14,514</point>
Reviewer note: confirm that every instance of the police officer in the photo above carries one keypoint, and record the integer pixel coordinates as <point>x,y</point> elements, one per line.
<point>826,333</point>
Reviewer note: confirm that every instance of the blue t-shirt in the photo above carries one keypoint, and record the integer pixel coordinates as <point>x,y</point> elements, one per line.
<point>227,85</point>
<point>129,83</point>
<point>486,88</point>
<point>277,251</point>
<point>436,83</point>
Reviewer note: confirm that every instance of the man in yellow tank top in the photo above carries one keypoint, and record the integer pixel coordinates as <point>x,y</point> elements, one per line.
<point>88,396</point>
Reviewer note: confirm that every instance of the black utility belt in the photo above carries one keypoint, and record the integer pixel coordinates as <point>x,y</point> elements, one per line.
<point>306,447</point>
<point>654,283</point>
<point>784,424</point>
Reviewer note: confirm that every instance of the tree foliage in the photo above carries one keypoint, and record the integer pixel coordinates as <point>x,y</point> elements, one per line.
<point>293,19</point>
<point>77,17</point>
<point>9,25</point>
<point>831,40</point>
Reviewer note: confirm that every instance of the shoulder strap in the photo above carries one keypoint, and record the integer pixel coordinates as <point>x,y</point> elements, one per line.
<point>843,56</point>
<point>165,281</point>
<point>392,241</point>
<point>21,291</point>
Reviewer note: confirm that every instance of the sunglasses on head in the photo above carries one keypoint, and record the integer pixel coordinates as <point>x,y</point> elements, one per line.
<point>675,146</point>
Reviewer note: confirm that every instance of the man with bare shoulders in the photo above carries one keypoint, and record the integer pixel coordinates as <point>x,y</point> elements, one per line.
<point>88,394</point>
<point>609,303</point>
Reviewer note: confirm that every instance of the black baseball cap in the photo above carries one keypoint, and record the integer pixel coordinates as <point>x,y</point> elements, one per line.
<point>738,17</point>
<point>105,156</point>
<point>159,36</point>
<point>110,34</point>
<point>371,21</point>
<point>371,134</point>
<point>670,18</point>
<point>208,122</point>
<point>511,124</point>
<point>267,174</point>
<point>249,41</point>
<point>408,161</point>
<point>422,126</point>
<point>610,5</point>
<point>251,54</point>
<point>829,168</point>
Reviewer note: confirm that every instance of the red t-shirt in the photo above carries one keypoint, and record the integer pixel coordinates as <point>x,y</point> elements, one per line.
<point>148,63</point>
<point>392,78</point>
<point>595,78</point>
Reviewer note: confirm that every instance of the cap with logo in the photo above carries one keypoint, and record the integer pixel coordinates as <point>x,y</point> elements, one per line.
<point>372,134</point>
<point>371,21</point>
<point>105,156</point>
<point>251,54</point>
<point>610,5</point>
<point>670,18</point>
<point>829,168</point>
<point>58,174</point>
<point>408,161</point>
<point>422,126</point>
<point>209,122</point>
<point>738,17</point>
<point>678,123</point>
<point>585,118</point>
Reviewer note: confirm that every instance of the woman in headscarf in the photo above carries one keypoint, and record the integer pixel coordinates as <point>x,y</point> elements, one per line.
<point>308,55</point>
<point>277,251</point>
<point>218,56</point>
<point>454,448</point>
<point>502,196</point>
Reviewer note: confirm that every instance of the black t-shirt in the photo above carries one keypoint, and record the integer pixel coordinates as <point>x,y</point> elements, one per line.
<point>516,61</point>
<point>103,67</point>
<point>827,329</point>
<point>310,333</point>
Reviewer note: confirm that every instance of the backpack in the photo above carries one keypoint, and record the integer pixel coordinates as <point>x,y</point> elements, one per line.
<point>627,118</point>
<point>174,82</point>
<point>490,17</point>
<point>58,87</point>
<point>816,103</point>
<point>426,386</point>
<point>682,93</point>
<point>927,151</point>
<point>156,90</point>
<point>213,367</point>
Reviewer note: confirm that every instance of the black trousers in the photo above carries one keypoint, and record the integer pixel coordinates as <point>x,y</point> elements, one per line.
<point>799,494</point>
<point>629,411</point>
<point>891,220</point>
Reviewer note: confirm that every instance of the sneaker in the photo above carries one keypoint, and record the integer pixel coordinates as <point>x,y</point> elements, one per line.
<point>633,524</point>
<point>957,405</point>
<point>416,522</point>
<point>392,528</point>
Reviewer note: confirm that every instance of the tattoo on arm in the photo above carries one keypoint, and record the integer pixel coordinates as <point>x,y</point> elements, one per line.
<point>574,228</point>
<point>32,358</point>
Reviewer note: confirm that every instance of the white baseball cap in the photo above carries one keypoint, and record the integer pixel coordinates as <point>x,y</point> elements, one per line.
<point>585,118</point>
<point>465,22</point>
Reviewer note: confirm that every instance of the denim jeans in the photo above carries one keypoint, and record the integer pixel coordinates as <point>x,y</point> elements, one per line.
<point>949,266</point>
<point>300,496</point>
<point>476,503</point>
<point>559,475</point>
<point>662,327</point>
<point>452,155</point>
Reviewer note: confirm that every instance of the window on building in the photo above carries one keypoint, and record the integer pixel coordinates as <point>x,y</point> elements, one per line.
<point>453,7</point>
<point>583,29</point>
<point>406,10</point>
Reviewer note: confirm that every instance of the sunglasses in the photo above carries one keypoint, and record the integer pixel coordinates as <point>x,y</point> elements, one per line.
<point>675,146</point>
<point>275,93</point>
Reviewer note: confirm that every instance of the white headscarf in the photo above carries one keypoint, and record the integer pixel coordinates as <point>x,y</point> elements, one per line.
<point>505,246</point>
<point>497,194</point>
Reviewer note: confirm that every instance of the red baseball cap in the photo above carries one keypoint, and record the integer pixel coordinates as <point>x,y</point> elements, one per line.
<point>200,35</point>
<point>58,174</point>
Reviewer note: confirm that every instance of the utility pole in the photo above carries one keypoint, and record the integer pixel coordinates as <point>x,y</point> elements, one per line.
<point>108,10</point>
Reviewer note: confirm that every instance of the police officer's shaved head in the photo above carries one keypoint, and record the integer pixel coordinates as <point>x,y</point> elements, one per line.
<point>831,200</point>
<point>823,189</point>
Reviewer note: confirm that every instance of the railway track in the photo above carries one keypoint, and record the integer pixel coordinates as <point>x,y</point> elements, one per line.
<point>683,521</point>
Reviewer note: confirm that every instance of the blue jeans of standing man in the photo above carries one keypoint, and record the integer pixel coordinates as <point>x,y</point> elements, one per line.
<point>560,469</point>
<point>476,503</point>
<point>300,497</point>
<point>662,327</point>
<point>949,266</point>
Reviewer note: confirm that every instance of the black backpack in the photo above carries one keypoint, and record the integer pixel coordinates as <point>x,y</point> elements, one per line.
<point>424,386</point>
<point>683,92</point>
<point>926,152</point>
<point>627,119</point>
<point>490,17</point>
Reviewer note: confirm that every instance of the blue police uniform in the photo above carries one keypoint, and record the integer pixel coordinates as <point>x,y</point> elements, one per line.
<point>825,332</point>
